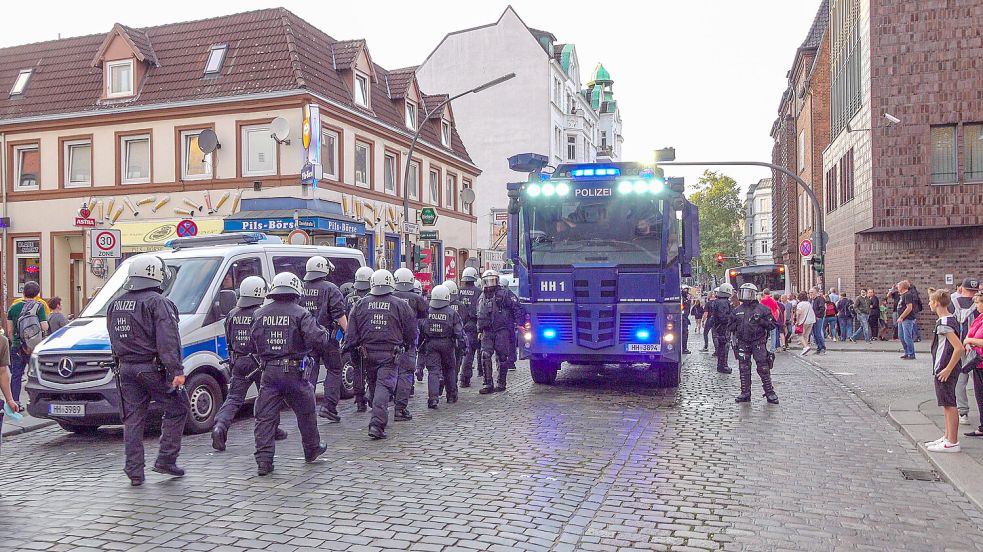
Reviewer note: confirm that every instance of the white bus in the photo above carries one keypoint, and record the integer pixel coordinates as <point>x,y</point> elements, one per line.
<point>772,276</point>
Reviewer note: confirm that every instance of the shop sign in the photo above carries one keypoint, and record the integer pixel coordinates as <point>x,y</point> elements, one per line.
<point>28,247</point>
<point>450,264</point>
<point>430,235</point>
<point>428,216</point>
<point>286,225</point>
<point>311,135</point>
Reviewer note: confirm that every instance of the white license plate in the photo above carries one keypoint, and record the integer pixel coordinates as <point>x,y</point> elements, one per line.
<point>77,409</point>
<point>643,348</point>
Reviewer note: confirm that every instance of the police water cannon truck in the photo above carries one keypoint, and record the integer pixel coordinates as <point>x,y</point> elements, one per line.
<point>599,250</point>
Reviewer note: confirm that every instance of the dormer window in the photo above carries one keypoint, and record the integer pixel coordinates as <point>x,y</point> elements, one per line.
<point>21,83</point>
<point>411,115</point>
<point>119,78</point>
<point>361,90</point>
<point>445,133</point>
<point>216,55</point>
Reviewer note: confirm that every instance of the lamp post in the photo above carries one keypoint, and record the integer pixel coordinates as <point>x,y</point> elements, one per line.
<point>407,262</point>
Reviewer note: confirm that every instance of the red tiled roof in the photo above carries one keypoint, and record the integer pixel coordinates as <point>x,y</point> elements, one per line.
<point>431,101</point>
<point>269,50</point>
<point>399,81</point>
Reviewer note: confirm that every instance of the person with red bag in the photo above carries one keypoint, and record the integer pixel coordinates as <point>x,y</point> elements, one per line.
<point>805,319</point>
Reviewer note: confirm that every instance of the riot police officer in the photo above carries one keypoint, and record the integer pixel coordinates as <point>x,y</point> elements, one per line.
<point>382,328</point>
<point>684,317</point>
<point>358,289</point>
<point>284,335</point>
<point>720,312</point>
<point>325,302</point>
<point>442,344</point>
<point>506,283</point>
<point>417,287</point>
<point>404,279</point>
<point>244,366</point>
<point>498,317</point>
<point>469,293</point>
<point>751,323</point>
<point>146,343</point>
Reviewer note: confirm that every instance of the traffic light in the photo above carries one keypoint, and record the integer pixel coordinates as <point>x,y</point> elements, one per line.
<point>818,264</point>
<point>720,259</point>
<point>417,258</point>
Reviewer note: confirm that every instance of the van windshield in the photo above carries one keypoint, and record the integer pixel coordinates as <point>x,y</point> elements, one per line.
<point>190,279</point>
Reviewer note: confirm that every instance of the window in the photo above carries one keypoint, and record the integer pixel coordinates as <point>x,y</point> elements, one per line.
<point>445,133</point>
<point>195,164</point>
<point>389,173</point>
<point>20,83</point>
<point>119,78</point>
<point>240,270</point>
<point>78,163</point>
<point>259,151</point>
<point>763,205</point>
<point>216,55</point>
<point>571,148</point>
<point>414,181</point>
<point>136,159</point>
<point>604,139</point>
<point>557,140</point>
<point>764,226</point>
<point>362,163</point>
<point>329,154</point>
<point>943,154</point>
<point>973,152</point>
<point>27,167</point>
<point>411,115</point>
<point>294,265</point>
<point>434,187</point>
<point>362,90</point>
<point>846,177</point>
<point>27,263</point>
<point>450,191</point>
<point>845,58</point>
<point>764,247</point>
<point>831,189</point>
<point>468,207</point>
<point>802,150</point>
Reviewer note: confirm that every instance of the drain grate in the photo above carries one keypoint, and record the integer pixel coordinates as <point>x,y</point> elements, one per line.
<point>920,475</point>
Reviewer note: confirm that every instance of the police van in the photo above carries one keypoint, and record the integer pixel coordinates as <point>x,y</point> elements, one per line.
<point>70,378</point>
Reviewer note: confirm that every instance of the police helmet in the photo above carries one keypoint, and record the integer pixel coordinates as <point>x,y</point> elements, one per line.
<point>725,290</point>
<point>363,277</point>
<point>748,292</point>
<point>452,288</point>
<point>470,274</point>
<point>505,281</point>
<point>382,282</point>
<point>417,287</point>
<point>286,283</point>
<point>146,273</point>
<point>347,288</point>
<point>440,296</point>
<point>404,279</point>
<point>490,278</point>
<point>252,292</point>
<point>317,267</point>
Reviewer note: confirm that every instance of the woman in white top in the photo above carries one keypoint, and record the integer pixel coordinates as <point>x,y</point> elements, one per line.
<point>806,317</point>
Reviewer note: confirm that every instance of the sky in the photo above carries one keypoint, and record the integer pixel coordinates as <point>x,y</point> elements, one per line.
<point>703,76</point>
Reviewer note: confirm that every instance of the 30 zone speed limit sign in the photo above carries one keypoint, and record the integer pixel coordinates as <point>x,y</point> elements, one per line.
<point>105,244</point>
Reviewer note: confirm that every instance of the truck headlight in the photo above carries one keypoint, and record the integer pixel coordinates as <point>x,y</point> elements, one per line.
<point>32,366</point>
<point>669,337</point>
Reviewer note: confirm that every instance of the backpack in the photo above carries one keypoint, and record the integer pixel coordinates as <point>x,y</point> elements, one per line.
<point>830,308</point>
<point>29,326</point>
<point>964,315</point>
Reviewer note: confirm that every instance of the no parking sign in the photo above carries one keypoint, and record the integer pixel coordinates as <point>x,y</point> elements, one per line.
<point>187,229</point>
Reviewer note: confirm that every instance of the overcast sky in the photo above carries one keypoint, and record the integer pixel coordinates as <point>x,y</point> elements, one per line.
<point>704,76</point>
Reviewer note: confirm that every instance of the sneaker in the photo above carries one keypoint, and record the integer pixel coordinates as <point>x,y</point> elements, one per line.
<point>806,351</point>
<point>935,442</point>
<point>944,446</point>
<point>964,419</point>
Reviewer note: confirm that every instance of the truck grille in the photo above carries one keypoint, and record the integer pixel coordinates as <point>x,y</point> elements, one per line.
<point>632,322</point>
<point>595,289</point>
<point>64,369</point>
<point>595,326</point>
<point>559,322</point>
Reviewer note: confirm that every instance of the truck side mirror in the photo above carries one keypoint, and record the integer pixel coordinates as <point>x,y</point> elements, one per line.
<point>225,302</point>
<point>691,238</point>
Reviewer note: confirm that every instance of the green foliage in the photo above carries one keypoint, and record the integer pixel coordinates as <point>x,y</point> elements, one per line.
<point>721,217</point>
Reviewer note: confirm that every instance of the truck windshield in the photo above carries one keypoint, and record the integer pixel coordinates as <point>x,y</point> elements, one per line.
<point>190,279</point>
<point>620,230</point>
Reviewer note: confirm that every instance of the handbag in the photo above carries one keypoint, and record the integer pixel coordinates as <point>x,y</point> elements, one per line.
<point>972,361</point>
<point>799,328</point>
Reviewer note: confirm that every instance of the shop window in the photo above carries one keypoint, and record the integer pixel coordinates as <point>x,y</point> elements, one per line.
<point>27,263</point>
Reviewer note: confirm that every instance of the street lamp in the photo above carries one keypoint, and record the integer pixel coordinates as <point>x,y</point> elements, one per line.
<point>409,159</point>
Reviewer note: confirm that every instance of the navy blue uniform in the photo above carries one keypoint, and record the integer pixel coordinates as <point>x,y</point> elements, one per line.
<point>719,322</point>
<point>469,294</point>
<point>144,334</point>
<point>381,329</point>
<point>324,300</point>
<point>283,335</point>
<point>684,318</point>
<point>443,344</point>
<point>498,316</point>
<point>750,324</point>
<point>404,383</point>
<point>358,374</point>
<point>245,367</point>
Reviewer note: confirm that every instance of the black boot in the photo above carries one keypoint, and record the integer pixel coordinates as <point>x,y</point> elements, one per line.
<point>487,388</point>
<point>432,403</point>
<point>312,455</point>
<point>169,469</point>
<point>725,369</point>
<point>768,387</point>
<point>402,415</point>
<point>361,406</point>
<point>281,435</point>
<point>332,417</point>
<point>376,433</point>
<point>264,468</point>
<point>465,382</point>
<point>745,395</point>
<point>219,435</point>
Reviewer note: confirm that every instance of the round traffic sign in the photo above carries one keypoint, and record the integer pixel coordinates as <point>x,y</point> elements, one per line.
<point>805,248</point>
<point>187,228</point>
<point>106,241</point>
<point>298,237</point>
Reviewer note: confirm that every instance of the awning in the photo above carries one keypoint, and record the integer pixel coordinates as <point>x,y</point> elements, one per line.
<point>282,221</point>
<point>140,237</point>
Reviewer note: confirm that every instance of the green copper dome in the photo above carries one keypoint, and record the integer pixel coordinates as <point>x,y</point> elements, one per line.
<point>601,75</point>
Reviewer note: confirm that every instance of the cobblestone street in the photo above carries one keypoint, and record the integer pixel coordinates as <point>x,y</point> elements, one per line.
<point>597,462</point>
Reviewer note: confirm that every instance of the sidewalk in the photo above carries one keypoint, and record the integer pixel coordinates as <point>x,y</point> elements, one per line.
<point>29,423</point>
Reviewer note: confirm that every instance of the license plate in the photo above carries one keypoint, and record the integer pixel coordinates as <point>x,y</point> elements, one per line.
<point>75,410</point>
<point>642,347</point>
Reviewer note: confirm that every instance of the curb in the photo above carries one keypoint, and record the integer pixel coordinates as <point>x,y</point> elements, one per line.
<point>20,430</point>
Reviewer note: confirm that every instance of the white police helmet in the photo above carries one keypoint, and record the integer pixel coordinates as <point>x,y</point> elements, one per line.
<point>748,292</point>
<point>505,281</point>
<point>317,267</point>
<point>382,282</point>
<point>470,274</point>
<point>363,277</point>
<point>725,290</point>
<point>490,278</point>
<point>147,272</point>
<point>417,287</point>
<point>252,292</point>
<point>452,288</point>
<point>404,279</point>
<point>286,283</point>
<point>440,297</point>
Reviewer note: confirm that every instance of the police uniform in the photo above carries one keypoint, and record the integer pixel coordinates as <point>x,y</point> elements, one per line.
<point>443,343</point>
<point>144,334</point>
<point>498,316</point>
<point>325,302</point>
<point>358,374</point>
<point>404,383</point>
<point>719,321</point>
<point>469,295</point>
<point>751,323</point>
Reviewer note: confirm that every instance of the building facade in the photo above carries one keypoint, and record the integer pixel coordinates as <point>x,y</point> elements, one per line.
<point>758,221</point>
<point>139,129</point>
<point>545,109</point>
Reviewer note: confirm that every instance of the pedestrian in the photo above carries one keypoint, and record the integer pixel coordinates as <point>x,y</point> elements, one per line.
<point>5,391</point>
<point>720,310</point>
<point>830,327</point>
<point>892,299</point>
<point>442,343</point>
<point>326,304</point>
<point>844,317</point>
<point>861,308</point>
<point>29,315</point>
<point>359,289</point>
<point>751,325</point>
<point>697,313</point>
<point>498,317</point>
<point>774,341</point>
<point>917,302</point>
<point>57,319</point>
<point>790,305</point>
<point>404,279</point>
<point>381,329</point>
<point>873,319</point>
<point>245,367</point>
<point>707,322</point>
<point>144,335</point>
<point>285,336</point>
<point>947,350</point>
<point>818,303</point>
<point>974,347</point>
<point>906,319</point>
<point>962,308</point>
<point>805,320</point>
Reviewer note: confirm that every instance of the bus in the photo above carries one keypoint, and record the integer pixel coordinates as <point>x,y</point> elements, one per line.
<point>769,276</point>
<point>598,251</point>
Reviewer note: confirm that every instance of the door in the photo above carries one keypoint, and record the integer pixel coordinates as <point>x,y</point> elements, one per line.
<point>77,284</point>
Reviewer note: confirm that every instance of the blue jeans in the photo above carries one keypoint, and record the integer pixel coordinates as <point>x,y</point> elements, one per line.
<point>18,363</point>
<point>863,327</point>
<point>817,336</point>
<point>829,323</point>
<point>776,339</point>
<point>846,327</point>
<point>907,335</point>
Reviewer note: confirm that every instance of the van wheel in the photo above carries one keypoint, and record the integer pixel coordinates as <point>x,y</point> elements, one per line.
<point>206,399</point>
<point>79,429</point>
<point>543,371</point>
<point>347,381</point>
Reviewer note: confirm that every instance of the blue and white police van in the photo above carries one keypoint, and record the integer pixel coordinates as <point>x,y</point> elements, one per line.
<point>70,378</point>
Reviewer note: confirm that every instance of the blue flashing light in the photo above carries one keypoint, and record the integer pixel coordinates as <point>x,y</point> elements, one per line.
<point>646,173</point>
<point>601,171</point>
<point>642,334</point>
<point>549,333</point>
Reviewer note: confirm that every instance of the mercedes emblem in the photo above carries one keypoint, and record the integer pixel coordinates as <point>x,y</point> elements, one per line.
<point>66,367</point>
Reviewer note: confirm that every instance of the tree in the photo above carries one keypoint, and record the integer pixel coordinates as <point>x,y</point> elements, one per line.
<point>721,216</point>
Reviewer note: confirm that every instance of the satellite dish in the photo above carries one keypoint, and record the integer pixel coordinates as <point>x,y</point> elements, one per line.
<point>467,195</point>
<point>281,129</point>
<point>208,141</point>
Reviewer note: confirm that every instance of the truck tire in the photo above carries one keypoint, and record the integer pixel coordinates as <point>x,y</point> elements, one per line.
<point>79,429</point>
<point>543,371</point>
<point>666,375</point>
<point>347,381</point>
<point>206,398</point>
